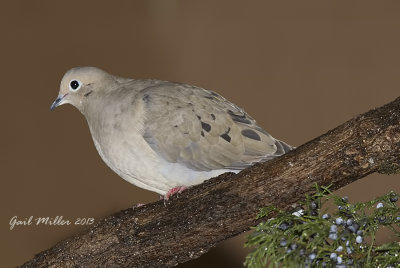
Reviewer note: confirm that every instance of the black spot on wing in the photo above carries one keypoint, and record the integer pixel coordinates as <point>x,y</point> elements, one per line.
<point>251,134</point>
<point>202,133</point>
<point>239,118</point>
<point>225,136</point>
<point>205,126</point>
<point>213,116</point>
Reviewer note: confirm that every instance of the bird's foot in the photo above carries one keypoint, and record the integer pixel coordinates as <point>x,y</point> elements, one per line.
<point>175,190</point>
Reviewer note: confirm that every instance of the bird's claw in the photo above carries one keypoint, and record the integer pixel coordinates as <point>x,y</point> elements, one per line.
<point>175,190</point>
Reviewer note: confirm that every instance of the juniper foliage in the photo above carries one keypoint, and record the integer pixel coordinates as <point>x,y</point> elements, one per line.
<point>313,238</point>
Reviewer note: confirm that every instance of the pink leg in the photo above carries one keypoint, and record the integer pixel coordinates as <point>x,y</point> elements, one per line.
<point>175,190</point>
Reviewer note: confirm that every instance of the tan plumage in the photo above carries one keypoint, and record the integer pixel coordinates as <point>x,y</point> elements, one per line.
<point>159,134</point>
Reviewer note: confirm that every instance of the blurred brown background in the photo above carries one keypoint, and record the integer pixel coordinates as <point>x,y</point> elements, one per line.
<point>300,68</point>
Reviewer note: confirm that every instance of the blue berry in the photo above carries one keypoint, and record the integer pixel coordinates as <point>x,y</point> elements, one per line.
<point>339,260</point>
<point>349,250</point>
<point>333,229</point>
<point>283,226</point>
<point>393,199</point>
<point>314,213</point>
<point>345,199</point>
<point>326,216</point>
<point>359,239</point>
<point>382,219</point>
<point>349,221</point>
<point>379,205</point>
<point>312,256</point>
<point>360,232</point>
<point>339,221</point>
<point>283,242</point>
<point>313,205</point>
<point>333,236</point>
<point>293,246</point>
<point>339,249</point>
<point>333,256</point>
<point>354,227</point>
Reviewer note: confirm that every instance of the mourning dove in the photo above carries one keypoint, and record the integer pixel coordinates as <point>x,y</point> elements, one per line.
<point>164,136</point>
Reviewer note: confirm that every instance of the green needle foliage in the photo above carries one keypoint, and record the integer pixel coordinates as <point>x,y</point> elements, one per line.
<point>313,238</point>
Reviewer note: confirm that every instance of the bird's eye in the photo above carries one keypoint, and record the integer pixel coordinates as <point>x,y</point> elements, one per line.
<point>75,85</point>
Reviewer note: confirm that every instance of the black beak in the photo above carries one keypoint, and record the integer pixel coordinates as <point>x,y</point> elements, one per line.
<point>57,101</point>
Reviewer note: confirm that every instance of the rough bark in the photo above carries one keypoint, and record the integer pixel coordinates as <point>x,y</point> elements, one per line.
<point>193,222</point>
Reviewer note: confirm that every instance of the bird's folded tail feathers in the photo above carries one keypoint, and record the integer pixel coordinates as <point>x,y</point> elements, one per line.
<point>282,147</point>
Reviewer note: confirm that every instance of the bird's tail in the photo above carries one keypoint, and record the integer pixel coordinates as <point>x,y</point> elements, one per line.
<point>282,147</point>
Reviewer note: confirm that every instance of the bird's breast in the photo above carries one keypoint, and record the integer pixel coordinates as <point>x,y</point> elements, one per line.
<point>117,136</point>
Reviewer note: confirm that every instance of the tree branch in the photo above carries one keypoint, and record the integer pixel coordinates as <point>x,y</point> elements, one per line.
<point>192,223</point>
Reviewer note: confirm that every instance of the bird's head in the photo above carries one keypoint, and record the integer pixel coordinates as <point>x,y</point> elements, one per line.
<point>81,83</point>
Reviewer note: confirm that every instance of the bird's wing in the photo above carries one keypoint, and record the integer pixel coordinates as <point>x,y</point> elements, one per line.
<point>202,130</point>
